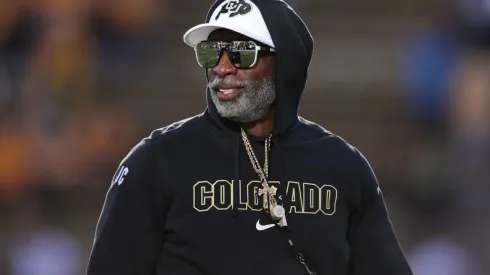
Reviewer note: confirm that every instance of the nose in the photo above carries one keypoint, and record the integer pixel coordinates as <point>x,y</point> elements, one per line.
<point>224,67</point>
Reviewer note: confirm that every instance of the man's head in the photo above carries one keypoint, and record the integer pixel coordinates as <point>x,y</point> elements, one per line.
<point>271,23</point>
<point>236,49</point>
<point>241,94</point>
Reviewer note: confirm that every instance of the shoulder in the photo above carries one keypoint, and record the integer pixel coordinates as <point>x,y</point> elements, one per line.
<point>345,152</point>
<point>313,129</point>
<point>177,129</point>
<point>311,132</point>
<point>143,159</point>
<point>142,153</point>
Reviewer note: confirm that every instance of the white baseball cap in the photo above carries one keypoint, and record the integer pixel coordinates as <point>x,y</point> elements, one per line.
<point>241,16</point>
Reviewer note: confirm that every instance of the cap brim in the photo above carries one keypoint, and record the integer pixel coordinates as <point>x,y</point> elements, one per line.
<point>201,33</point>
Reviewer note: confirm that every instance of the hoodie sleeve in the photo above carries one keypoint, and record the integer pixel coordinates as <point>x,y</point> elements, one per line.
<point>374,246</point>
<point>128,236</point>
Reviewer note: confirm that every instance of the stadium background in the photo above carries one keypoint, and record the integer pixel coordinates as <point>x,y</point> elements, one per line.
<point>81,82</point>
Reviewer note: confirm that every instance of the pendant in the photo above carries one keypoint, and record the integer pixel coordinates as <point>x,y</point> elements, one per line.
<point>279,214</point>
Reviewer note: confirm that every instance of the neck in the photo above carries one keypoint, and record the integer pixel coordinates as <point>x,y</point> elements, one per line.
<point>260,128</point>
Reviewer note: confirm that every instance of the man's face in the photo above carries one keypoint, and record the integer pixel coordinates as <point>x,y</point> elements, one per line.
<point>242,95</point>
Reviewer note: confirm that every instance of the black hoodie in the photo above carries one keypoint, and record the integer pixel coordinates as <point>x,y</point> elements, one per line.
<point>184,201</point>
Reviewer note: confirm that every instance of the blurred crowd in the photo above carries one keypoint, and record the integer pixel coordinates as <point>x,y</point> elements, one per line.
<point>64,67</point>
<point>81,82</point>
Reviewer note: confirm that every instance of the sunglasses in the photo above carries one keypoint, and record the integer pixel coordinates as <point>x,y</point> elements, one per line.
<point>242,54</point>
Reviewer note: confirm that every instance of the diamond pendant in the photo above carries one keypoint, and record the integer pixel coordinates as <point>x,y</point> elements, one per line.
<point>279,214</point>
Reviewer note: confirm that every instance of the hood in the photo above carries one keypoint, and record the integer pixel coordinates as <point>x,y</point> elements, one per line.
<point>294,49</point>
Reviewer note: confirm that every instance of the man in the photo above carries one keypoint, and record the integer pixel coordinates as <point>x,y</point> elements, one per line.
<point>246,187</point>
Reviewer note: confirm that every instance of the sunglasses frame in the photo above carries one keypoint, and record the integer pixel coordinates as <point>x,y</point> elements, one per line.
<point>225,46</point>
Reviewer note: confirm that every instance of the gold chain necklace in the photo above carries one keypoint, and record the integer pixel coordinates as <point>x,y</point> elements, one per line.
<point>267,192</point>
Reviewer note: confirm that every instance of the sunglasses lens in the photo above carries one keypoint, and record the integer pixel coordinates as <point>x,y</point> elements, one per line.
<point>245,58</point>
<point>207,54</point>
<point>242,54</point>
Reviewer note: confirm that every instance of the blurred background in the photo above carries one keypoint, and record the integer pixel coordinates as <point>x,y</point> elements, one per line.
<point>81,82</point>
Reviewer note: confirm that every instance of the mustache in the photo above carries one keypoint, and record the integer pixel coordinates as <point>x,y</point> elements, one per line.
<point>213,84</point>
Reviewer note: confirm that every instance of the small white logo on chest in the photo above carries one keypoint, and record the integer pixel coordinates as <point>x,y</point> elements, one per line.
<point>263,227</point>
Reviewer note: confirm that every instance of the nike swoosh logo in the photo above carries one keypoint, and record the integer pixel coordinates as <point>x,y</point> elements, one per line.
<point>263,227</point>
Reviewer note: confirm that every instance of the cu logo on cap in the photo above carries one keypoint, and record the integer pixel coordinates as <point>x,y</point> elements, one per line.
<point>234,8</point>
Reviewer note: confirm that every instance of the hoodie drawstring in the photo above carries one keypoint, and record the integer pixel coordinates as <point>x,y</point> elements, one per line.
<point>282,191</point>
<point>282,177</point>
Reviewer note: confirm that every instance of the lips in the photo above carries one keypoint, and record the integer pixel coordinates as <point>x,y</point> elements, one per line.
<point>224,87</point>
<point>228,91</point>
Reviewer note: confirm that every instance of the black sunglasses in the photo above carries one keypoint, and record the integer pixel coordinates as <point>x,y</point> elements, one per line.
<point>242,54</point>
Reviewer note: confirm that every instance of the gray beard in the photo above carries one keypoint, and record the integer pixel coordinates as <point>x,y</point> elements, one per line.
<point>253,104</point>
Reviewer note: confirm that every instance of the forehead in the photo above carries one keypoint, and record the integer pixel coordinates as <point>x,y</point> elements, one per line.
<point>227,35</point>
